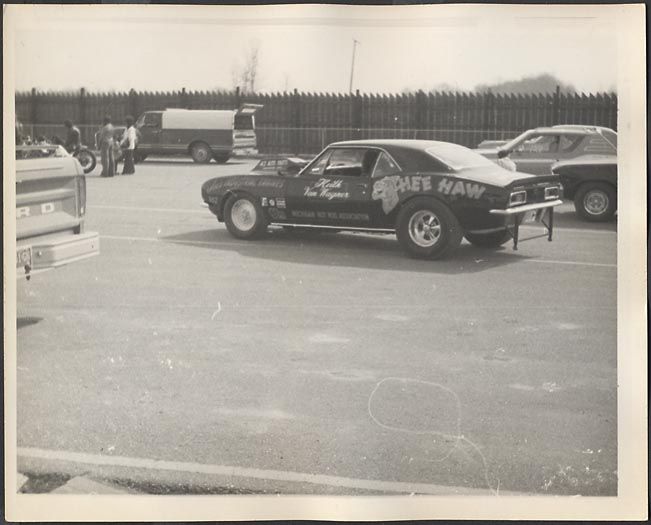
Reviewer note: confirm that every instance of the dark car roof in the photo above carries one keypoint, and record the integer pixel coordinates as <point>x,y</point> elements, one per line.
<point>420,145</point>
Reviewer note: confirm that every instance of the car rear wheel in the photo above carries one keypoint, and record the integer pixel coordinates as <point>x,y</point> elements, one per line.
<point>595,202</point>
<point>488,240</point>
<point>244,217</point>
<point>201,152</point>
<point>427,229</point>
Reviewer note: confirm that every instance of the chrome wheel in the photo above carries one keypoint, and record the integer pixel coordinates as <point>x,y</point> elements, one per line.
<point>243,215</point>
<point>595,202</point>
<point>424,228</point>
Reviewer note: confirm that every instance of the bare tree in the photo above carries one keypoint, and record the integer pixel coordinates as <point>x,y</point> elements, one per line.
<point>245,74</point>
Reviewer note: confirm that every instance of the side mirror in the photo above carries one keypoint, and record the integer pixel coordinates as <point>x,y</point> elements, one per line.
<point>501,153</point>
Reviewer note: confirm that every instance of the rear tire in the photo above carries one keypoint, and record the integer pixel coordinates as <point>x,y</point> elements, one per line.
<point>595,202</point>
<point>427,229</point>
<point>221,159</point>
<point>87,160</point>
<point>244,217</point>
<point>488,240</point>
<point>201,153</point>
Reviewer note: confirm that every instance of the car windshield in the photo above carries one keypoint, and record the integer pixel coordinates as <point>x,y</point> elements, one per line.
<point>40,152</point>
<point>458,157</point>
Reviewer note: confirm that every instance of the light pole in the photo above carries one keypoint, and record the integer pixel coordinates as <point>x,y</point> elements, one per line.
<point>352,66</point>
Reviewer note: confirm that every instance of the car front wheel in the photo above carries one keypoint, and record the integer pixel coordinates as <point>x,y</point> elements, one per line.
<point>595,202</point>
<point>488,240</point>
<point>427,229</point>
<point>244,217</point>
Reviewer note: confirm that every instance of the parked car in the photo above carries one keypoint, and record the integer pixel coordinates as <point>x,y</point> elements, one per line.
<point>280,165</point>
<point>536,150</point>
<point>430,194</point>
<point>50,210</point>
<point>202,134</point>
<point>591,182</point>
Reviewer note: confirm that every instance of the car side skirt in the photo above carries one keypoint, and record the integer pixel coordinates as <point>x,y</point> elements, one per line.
<point>323,226</point>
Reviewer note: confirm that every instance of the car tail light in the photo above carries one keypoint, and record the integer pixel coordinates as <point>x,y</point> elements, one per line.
<point>517,197</point>
<point>552,192</point>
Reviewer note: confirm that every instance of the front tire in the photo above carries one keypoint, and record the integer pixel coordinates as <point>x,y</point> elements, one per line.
<point>427,229</point>
<point>201,153</point>
<point>244,217</point>
<point>595,202</point>
<point>488,240</point>
<point>87,160</point>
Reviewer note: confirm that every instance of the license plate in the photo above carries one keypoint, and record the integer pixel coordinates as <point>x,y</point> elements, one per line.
<point>534,215</point>
<point>24,257</point>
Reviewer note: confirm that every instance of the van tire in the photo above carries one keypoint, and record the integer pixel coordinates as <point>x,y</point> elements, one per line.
<point>200,152</point>
<point>222,158</point>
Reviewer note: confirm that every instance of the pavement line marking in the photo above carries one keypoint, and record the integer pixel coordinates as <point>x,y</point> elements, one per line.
<point>242,472</point>
<point>203,211</point>
<point>162,210</point>
<point>212,243</point>
<point>540,261</point>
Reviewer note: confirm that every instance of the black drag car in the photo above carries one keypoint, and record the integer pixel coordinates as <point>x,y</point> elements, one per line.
<point>591,182</point>
<point>430,194</point>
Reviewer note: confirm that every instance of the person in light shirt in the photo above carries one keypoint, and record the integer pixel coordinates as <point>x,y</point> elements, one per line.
<point>105,144</point>
<point>128,145</point>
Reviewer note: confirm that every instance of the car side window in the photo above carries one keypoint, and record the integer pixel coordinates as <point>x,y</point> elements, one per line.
<point>385,166</point>
<point>346,162</point>
<point>152,120</point>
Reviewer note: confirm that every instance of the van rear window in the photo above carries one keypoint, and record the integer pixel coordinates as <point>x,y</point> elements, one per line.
<point>243,122</point>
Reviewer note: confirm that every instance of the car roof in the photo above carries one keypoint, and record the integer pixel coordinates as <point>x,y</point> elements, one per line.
<point>420,145</point>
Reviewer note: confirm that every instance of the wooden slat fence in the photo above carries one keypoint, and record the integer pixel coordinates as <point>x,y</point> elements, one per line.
<point>304,122</point>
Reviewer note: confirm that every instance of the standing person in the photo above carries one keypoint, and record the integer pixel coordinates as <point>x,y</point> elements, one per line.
<point>105,143</point>
<point>73,137</point>
<point>128,144</point>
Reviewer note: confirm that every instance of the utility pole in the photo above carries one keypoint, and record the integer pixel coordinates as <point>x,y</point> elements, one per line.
<point>352,66</point>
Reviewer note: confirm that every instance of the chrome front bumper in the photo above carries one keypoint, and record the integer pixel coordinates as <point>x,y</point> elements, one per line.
<point>49,254</point>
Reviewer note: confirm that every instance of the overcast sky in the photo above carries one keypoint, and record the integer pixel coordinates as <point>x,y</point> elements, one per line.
<point>161,48</point>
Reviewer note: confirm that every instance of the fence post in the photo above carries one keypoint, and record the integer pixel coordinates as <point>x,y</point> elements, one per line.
<point>133,103</point>
<point>33,107</point>
<point>421,113</point>
<point>184,98</point>
<point>296,121</point>
<point>82,106</point>
<point>356,115</point>
<point>557,106</point>
<point>238,97</point>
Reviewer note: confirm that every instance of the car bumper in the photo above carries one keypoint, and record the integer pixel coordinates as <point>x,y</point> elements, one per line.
<point>45,255</point>
<point>527,207</point>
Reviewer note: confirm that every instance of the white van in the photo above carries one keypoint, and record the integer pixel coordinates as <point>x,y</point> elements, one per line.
<point>203,134</point>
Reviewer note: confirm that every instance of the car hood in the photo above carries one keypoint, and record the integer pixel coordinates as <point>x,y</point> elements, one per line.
<point>587,160</point>
<point>489,153</point>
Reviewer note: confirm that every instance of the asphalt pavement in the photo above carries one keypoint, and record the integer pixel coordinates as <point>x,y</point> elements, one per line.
<point>182,360</point>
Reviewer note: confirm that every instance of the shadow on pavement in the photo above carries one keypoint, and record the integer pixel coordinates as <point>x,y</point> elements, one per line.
<point>22,322</point>
<point>381,252</point>
<point>566,217</point>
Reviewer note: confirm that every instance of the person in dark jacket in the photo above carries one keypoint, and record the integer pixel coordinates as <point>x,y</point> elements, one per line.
<point>73,137</point>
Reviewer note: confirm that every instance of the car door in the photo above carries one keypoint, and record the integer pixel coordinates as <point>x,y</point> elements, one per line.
<point>149,126</point>
<point>333,190</point>
<point>537,154</point>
